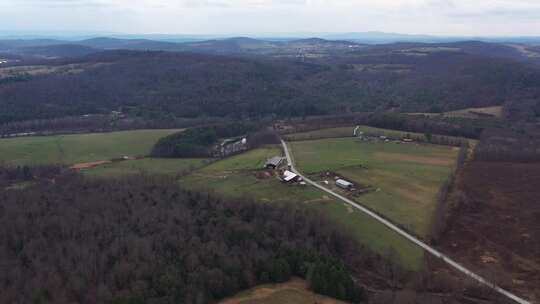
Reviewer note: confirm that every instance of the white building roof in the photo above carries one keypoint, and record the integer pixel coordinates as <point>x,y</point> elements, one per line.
<point>344,183</point>
<point>289,176</point>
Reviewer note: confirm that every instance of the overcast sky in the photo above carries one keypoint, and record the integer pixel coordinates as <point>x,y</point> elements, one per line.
<point>442,17</point>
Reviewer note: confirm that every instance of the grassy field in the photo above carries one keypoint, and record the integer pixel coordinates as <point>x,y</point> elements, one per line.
<point>494,111</point>
<point>293,292</point>
<point>349,132</point>
<point>236,177</point>
<point>77,148</point>
<point>405,177</point>
<point>146,166</point>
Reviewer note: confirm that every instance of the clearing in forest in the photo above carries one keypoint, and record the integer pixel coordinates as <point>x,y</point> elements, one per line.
<point>403,178</point>
<point>242,177</point>
<point>293,292</point>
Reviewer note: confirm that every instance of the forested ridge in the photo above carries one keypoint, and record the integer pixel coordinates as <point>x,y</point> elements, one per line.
<point>161,85</point>
<point>142,239</point>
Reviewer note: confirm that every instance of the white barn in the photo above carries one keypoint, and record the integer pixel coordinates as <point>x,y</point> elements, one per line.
<point>344,184</point>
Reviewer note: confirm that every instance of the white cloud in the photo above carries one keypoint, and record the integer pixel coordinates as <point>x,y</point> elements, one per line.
<point>463,17</point>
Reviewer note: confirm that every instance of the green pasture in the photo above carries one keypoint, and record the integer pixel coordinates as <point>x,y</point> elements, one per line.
<point>146,166</point>
<point>405,178</point>
<point>78,148</point>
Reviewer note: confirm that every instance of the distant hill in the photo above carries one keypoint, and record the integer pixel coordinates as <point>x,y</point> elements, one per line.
<point>105,43</point>
<point>485,49</point>
<point>293,48</point>
<point>386,38</point>
<point>160,85</point>
<point>56,51</point>
<point>11,45</point>
<point>231,45</point>
<point>383,38</point>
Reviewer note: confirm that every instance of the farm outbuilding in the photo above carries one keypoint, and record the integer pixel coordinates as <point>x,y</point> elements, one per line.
<point>274,162</point>
<point>289,176</point>
<point>344,184</point>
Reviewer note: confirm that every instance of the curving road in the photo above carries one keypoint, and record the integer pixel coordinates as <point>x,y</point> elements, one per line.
<point>404,234</point>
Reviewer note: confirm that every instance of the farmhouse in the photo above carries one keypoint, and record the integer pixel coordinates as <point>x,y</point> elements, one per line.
<point>289,176</point>
<point>344,184</point>
<point>273,162</point>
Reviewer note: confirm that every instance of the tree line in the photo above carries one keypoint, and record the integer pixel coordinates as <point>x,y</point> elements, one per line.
<point>519,144</point>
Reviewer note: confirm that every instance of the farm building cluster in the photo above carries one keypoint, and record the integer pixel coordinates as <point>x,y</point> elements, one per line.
<point>231,146</point>
<point>382,138</point>
<point>339,182</point>
<point>280,165</point>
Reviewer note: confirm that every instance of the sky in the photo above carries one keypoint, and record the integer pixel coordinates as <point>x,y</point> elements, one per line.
<point>435,17</point>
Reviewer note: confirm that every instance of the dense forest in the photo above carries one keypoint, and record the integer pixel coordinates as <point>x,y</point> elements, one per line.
<point>74,240</point>
<point>165,86</point>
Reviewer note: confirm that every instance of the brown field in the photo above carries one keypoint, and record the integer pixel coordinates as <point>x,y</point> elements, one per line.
<point>495,228</point>
<point>293,292</point>
<point>495,111</point>
<point>89,165</point>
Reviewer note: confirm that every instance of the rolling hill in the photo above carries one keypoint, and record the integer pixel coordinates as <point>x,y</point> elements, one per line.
<point>179,84</point>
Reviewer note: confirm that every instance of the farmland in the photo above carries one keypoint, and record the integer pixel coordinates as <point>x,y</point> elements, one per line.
<point>495,111</point>
<point>483,112</point>
<point>237,176</point>
<point>146,166</point>
<point>348,132</point>
<point>240,176</point>
<point>404,178</point>
<point>77,148</point>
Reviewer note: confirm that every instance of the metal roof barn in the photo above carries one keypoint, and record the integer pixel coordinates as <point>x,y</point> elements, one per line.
<point>289,176</point>
<point>344,184</point>
<point>273,162</point>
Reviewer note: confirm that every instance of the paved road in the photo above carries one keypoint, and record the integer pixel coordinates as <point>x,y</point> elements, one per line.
<point>403,233</point>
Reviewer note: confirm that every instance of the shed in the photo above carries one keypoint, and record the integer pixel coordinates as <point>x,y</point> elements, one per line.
<point>344,184</point>
<point>273,162</point>
<point>289,176</point>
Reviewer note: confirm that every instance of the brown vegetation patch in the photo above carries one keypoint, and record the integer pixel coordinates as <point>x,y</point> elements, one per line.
<point>89,165</point>
<point>294,291</point>
<point>495,227</point>
<point>386,156</point>
<point>264,174</point>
